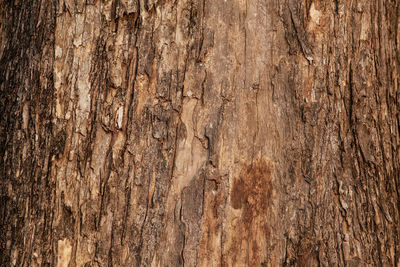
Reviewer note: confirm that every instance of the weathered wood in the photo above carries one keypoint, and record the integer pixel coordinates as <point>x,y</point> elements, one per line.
<point>199,133</point>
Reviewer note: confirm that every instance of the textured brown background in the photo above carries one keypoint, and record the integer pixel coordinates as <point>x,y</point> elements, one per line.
<point>199,133</point>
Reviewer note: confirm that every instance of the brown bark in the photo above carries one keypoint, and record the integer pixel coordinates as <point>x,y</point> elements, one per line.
<point>200,133</point>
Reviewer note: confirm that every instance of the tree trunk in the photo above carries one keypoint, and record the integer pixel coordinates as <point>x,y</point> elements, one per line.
<point>200,133</point>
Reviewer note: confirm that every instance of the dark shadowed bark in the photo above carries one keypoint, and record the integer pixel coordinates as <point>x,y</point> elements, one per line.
<point>199,133</point>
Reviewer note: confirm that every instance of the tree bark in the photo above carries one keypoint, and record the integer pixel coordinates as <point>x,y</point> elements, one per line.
<point>200,133</point>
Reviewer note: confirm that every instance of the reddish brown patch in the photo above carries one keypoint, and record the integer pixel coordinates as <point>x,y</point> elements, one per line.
<point>252,190</point>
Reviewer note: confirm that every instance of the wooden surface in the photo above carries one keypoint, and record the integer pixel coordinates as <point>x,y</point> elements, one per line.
<point>199,133</point>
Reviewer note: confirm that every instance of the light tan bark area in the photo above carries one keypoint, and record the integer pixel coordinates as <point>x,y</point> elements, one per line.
<point>200,133</point>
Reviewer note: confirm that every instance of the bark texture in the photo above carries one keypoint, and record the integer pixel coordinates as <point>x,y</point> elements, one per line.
<point>200,133</point>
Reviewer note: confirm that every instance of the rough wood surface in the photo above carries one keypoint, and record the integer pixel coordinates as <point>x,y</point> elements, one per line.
<point>199,133</point>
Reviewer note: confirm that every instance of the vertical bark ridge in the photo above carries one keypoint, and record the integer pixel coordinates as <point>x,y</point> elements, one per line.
<point>27,142</point>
